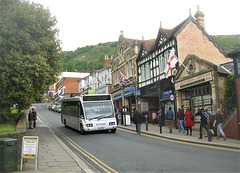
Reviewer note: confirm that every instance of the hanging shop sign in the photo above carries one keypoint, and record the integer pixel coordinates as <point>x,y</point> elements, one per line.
<point>167,95</point>
<point>194,81</point>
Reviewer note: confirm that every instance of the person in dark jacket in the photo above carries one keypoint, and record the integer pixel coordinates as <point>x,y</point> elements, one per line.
<point>180,116</point>
<point>34,117</point>
<point>169,119</point>
<point>30,119</point>
<point>203,123</point>
<point>219,122</point>
<point>137,119</point>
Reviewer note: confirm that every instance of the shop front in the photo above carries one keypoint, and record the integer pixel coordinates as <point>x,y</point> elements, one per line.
<point>117,99</point>
<point>201,86</point>
<point>167,96</point>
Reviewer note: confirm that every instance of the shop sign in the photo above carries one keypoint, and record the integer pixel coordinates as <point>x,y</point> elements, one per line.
<point>167,95</point>
<point>129,91</point>
<point>194,81</point>
<point>117,96</point>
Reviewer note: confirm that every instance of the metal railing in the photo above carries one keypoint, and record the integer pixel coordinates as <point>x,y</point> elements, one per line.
<point>228,107</point>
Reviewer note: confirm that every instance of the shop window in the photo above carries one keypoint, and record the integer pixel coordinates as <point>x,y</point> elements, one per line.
<point>200,91</point>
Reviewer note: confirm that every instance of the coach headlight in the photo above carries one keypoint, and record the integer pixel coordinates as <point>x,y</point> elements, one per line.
<point>89,125</point>
<point>111,123</point>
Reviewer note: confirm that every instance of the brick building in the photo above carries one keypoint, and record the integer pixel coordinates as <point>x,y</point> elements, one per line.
<point>189,37</point>
<point>68,83</point>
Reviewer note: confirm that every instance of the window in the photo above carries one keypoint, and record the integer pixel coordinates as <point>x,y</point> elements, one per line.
<point>143,73</point>
<point>127,70</point>
<point>121,52</point>
<point>131,69</point>
<point>148,71</point>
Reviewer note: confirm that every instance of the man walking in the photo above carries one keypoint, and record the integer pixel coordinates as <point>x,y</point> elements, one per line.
<point>169,119</point>
<point>34,113</point>
<point>137,119</point>
<point>203,123</point>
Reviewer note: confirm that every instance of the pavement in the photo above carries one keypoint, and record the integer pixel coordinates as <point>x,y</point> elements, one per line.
<point>55,156</point>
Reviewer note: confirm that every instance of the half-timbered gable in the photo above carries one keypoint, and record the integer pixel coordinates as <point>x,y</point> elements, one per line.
<point>189,37</point>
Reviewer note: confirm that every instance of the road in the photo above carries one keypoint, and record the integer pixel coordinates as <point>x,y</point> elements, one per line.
<point>125,151</point>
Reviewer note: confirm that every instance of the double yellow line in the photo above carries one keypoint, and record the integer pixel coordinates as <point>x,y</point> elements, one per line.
<point>95,160</point>
<point>183,142</point>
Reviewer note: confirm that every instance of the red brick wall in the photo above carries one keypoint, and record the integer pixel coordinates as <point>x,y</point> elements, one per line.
<point>231,130</point>
<point>193,41</point>
<point>71,85</point>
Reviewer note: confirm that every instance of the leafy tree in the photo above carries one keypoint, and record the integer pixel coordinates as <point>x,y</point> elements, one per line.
<point>230,87</point>
<point>29,54</point>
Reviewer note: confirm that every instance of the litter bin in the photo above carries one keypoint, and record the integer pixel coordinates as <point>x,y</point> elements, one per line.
<point>8,154</point>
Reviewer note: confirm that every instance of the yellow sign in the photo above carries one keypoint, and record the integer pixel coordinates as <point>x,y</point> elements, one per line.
<point>30,147</point>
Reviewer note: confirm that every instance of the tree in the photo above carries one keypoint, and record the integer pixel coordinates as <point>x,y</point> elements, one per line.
<point>30,53</point>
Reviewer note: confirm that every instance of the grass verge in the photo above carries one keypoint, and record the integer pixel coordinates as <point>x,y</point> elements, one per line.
<point>10,124</point>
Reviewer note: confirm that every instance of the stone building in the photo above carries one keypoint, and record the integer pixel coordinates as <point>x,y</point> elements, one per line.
<point>202,85</point>
<point>124,61</point>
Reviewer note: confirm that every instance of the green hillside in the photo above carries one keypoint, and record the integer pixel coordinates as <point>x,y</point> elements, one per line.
<point>227,41</point>
<point>84,58</point>
<point>88,57</point>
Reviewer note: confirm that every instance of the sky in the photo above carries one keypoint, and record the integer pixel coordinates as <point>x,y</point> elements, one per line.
<point>90,22</point>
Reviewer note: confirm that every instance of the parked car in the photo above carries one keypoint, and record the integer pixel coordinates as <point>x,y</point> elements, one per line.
<point>53,107</point>
<point>58,108</point>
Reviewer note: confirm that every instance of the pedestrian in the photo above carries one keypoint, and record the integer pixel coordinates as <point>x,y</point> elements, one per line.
<point>203,121</point>
<point>117,113</point>
<point>34,117</point>
<point>218,120</point>
<point>154,117</point>
<point>30,119</point>
<point>169,119</point>
<point>121,115</point>
<point>182,108</point>
<point>180,116</point>
<point>137,119</point>
<point>159,117</point>
<point>189,121</point>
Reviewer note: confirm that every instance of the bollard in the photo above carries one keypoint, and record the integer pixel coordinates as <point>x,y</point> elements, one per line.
<point>209,130</point>
<point>146,116</point>
<point>160,123</point>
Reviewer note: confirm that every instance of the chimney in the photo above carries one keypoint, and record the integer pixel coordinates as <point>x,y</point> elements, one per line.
<point>199,16</point>
<point>107,61</point>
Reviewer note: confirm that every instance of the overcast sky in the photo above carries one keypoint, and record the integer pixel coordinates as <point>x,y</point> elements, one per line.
<point>89,22</point>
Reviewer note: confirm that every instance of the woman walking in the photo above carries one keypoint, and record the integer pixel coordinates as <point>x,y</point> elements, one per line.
<point>188,121</point>
<point>219,122</point>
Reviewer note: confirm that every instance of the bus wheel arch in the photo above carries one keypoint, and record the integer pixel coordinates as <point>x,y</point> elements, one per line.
<point>65,123</point>
<point>113,130</point>
<point>82,130</point>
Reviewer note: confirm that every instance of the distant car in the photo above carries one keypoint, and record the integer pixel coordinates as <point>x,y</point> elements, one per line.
<point>58,108</point>
<point>53,107</point>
